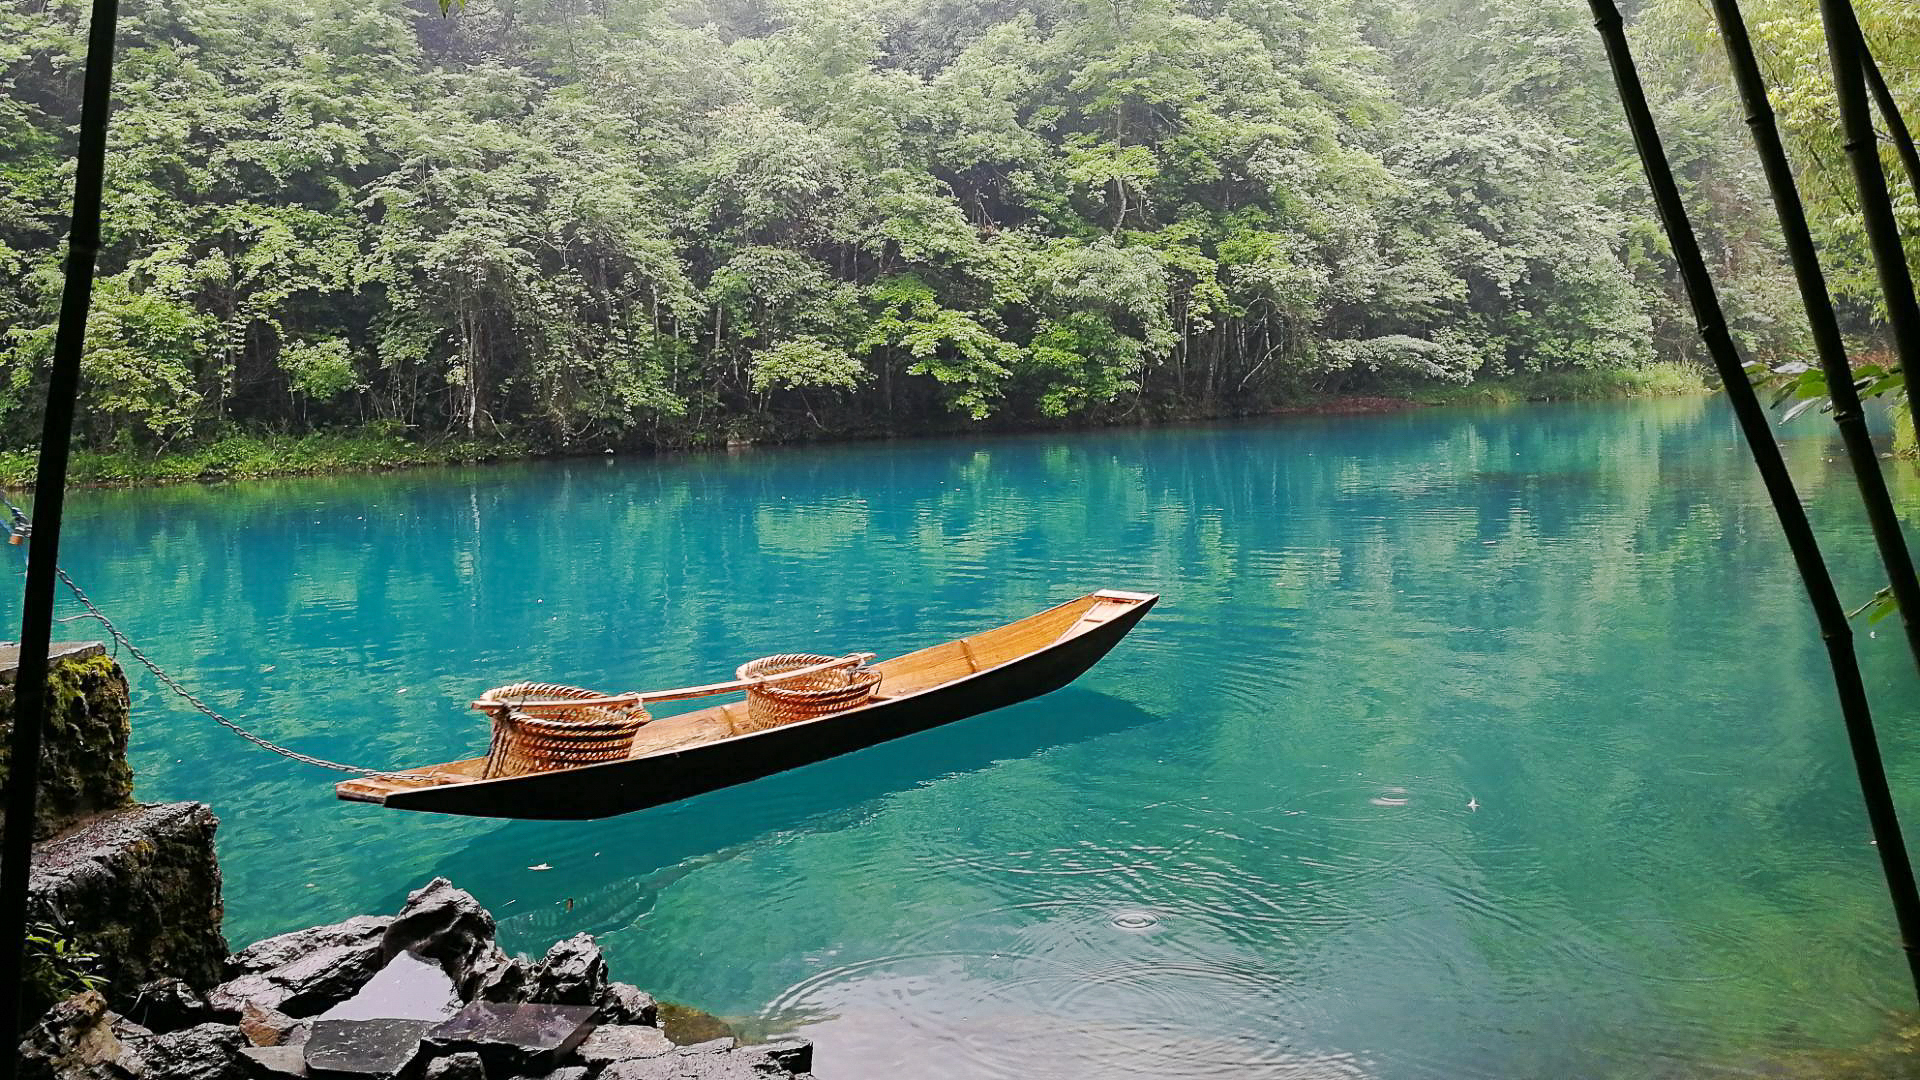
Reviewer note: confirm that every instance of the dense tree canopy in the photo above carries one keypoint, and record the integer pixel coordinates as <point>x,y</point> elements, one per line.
<point>590,222</point>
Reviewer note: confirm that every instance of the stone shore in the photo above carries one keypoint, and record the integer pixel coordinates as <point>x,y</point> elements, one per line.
<point>425,994</point>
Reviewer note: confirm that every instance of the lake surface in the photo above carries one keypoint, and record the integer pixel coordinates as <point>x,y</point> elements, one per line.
<point>1464,743</point>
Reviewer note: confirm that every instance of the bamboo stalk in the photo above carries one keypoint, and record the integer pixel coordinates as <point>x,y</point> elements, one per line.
<point>1834,630</point>
<point>1890,113</point>
<point>1828,341</point>
<point>36,620</point>
<point>1846,49</point>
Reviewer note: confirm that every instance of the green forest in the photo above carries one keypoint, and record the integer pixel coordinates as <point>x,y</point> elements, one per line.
<point>570,225</point>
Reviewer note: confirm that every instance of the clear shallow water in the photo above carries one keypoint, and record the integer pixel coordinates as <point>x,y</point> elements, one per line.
<point>1242,846</point>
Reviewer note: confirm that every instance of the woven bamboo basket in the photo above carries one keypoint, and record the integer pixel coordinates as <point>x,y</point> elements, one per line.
<point>803,698</point>
<point>532,733</point>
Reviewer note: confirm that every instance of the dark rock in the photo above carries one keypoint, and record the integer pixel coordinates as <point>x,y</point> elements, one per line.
<point>621,1003</point>
<point>619,1042</point>
<point>204,1052</point>
<point>572,973</point>
<point>449,927</point>
<point>275,1062</point>
<point>305,972</point>
<point>360,934</point>
<point>567,1072</point>
<point>380,1048</point>
<point>512,1038</point>
<point>793,1055</point>
<point>502,978</point>
<point>466,1066</point>
<point>83,753</point>
<point>79,1039</point>
<point>167,1005</point>
<point>142,887</point>
<point>269,1027</point>
<point>408,988</point>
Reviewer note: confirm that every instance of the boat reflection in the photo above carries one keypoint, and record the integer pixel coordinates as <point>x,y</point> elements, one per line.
<point>602,875</point>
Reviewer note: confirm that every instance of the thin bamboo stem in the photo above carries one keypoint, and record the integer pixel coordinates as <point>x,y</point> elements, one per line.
<point>36,621</point>
<point>1834,630</point>
<point>1847,51</point>
<point>1828,342</point>
<point>1890,114</point>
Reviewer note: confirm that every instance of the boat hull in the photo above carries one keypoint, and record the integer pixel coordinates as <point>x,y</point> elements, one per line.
<point>619,787</point>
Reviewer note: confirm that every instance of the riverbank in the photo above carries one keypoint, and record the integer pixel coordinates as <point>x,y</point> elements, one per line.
<point>1654,380</point>
<point>251,456</point>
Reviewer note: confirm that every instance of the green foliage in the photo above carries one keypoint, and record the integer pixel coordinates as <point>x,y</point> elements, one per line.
<point>807,362</point>
<point>1881,605</point>
<point>633,223</point>
<point>242,455</point>
<point>56,969</point>
<point>1652,380</point>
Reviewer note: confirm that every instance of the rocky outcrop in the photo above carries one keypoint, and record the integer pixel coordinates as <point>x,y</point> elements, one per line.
<point>305,972</point>
<point>83,754</point>
<point>446,925</point>
<point>403,997</point>
<point>134,887</point>
<point>79,1039</point>
<point>140,888</point>
<point>425,993</point>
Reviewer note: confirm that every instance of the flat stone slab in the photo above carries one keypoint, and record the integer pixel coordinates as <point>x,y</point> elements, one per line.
<point>364,1047</point>
<point>275,1061</point>
<point>512,1036</point>
<point>619,1042</point>
<point>58,651</point>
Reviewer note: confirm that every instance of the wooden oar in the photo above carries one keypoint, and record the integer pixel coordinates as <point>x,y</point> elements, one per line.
<point>681,694</point>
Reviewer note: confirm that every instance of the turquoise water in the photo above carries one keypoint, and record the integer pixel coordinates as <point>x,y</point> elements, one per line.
<point>1464,743</point>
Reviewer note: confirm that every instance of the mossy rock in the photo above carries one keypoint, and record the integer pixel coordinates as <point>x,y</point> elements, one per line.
<point>83,757</point>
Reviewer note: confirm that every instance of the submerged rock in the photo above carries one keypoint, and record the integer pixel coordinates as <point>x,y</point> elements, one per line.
<point>687,1025</point>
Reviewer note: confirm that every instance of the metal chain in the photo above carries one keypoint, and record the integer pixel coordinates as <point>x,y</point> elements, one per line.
<point>23,528</point>
<point>188,696</point>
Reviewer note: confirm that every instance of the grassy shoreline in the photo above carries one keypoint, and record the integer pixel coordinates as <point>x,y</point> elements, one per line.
<point>248,456</point>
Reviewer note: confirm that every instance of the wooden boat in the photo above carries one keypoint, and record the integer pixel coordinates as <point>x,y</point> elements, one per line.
<point>676,757</point>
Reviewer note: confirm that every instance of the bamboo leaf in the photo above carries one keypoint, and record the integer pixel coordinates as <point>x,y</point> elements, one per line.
<point>1802,407</point>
